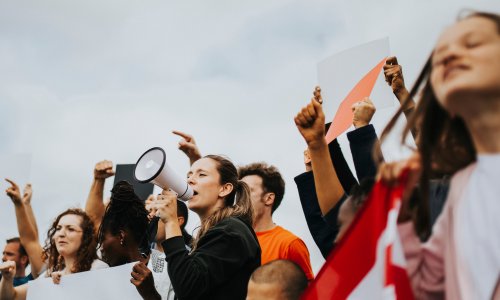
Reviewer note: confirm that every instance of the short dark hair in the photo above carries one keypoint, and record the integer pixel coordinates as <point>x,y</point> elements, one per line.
<point>22,251</point>
<point>272,181</point>
<point>287,274</point>
<point>182,211</point>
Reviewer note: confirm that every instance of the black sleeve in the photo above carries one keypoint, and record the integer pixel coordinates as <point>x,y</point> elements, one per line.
<point>346,178</point>
<point>362,141</point>
<point>216,259</point>
<point>332,216</point>
<point>323,235</point>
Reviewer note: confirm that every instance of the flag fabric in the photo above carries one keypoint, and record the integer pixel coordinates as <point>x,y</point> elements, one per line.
<point>368,262</point>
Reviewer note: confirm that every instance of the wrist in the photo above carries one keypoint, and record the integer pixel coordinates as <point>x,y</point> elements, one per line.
<point>360,124</point>
<point>154,295</point>
<point>317,144</point>
<point>401,93</point>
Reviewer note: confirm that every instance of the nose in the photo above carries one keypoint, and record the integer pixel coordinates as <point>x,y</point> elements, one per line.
<point>451,54</point>
<point>60,233</point>
<point>190,180</point>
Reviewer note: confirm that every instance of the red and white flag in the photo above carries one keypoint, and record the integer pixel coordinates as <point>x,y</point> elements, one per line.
<point>368,263</point>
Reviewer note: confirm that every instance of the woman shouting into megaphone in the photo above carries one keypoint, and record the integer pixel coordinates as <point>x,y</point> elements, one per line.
<point>225,251</point>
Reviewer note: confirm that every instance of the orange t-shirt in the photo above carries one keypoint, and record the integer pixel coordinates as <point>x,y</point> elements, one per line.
<point>279,243</point>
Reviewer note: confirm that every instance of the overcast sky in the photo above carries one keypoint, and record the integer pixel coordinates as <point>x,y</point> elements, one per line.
<point>82,81</point>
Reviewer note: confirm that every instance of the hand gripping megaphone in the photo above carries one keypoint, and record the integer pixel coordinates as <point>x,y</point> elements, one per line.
<point>152,167</point>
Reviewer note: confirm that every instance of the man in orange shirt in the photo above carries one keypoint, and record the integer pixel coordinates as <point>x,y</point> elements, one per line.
<point>267,188</point>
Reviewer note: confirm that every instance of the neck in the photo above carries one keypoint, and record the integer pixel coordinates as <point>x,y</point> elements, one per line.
<point>207,213</point>
<point>20,272</point>
<point>483,122</point>
<point>134,254</point>
<point>69,262</point>
<point>263,222</point>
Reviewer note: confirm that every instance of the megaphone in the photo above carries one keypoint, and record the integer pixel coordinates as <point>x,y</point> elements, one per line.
<point>152,167</point>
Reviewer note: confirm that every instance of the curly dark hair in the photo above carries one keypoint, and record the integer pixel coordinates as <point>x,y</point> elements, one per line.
<point>86,254</point>
<point>272,181</point>
<point>125,211</point>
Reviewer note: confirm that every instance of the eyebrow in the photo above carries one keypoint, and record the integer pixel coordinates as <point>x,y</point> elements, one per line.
<point>462,38</point>
<point>196,171</point>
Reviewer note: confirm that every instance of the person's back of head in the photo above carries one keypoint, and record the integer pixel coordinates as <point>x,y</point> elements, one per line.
<point>182,212</point>
<point>278,279</point>
<point>272,181</point>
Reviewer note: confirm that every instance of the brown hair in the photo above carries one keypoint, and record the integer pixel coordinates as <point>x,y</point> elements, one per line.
<point>272,181</point>
<point>444,142</point>
<point>236,204</point>
<point>286,274</point>
<point>86,254</point>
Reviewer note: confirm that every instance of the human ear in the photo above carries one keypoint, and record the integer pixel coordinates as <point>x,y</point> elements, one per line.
<point>225,190</point>
<point>24,260</point>
<point>181,220</point>
<point>269,199</point>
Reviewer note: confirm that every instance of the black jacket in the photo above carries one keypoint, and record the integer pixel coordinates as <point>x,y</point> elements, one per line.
<point>322,233</point>
<point>221,265</point>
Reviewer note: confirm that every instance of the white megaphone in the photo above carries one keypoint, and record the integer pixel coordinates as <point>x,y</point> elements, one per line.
<point>152,167</point>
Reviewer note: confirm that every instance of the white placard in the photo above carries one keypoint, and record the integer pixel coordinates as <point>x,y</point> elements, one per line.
<point>105,284</point>
<point>339,73</point>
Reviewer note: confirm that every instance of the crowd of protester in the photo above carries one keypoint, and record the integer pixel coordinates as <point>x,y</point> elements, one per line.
<point>447,222</point>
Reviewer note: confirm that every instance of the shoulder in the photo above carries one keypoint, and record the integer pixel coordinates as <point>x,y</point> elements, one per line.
<point>459,182</point>
<point>232,225</point>
<point>98,264</point>
<point>285,235</point>
<point>232,230</point>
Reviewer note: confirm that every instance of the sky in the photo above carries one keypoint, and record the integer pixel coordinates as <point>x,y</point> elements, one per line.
<point>83,81</point>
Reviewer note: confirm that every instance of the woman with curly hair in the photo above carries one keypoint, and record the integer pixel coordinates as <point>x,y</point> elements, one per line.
<point>70,248</point>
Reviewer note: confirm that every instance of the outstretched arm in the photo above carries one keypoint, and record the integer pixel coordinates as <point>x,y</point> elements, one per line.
<point>394,76</point>
<point>188,146</point>
<point>94,206</point>
<point>27,232</point>
<point>310,122</point>
<point>27,194</point>
<point>363,139</point>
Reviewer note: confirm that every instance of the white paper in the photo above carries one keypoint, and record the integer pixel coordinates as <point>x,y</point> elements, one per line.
<point>339,73</point>
<point>106,284</point>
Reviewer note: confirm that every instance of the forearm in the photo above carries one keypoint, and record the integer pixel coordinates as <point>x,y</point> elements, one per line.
<point>31,217</point>
<point>7,290</point>
<point>29,239</point>
<point>408,106</point>
<point>94,206</point>
<point>328,187</point>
